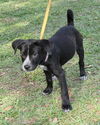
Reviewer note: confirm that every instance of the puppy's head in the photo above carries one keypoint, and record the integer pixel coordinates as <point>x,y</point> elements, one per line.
<point>33,52</point>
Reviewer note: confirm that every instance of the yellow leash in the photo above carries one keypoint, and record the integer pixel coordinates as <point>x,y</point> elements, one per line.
<point>45,19</point>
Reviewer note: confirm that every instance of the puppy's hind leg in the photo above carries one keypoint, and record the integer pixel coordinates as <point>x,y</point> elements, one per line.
<point>80,52</point>
<point>49,87</point>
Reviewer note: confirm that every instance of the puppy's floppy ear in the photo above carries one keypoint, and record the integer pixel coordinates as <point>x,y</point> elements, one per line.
<point>47,45</point>
<point>17,44</point>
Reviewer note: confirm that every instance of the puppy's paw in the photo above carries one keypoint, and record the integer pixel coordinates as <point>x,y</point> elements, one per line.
<point>47,91</point>
<point>67,107</point>
<point>83,77</point>
<point>54,78</point>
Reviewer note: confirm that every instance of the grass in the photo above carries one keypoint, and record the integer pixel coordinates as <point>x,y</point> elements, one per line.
<point>21,99</point>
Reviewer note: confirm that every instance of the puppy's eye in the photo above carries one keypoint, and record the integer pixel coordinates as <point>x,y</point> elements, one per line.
<point>35,54</point>
<point>23,56</point>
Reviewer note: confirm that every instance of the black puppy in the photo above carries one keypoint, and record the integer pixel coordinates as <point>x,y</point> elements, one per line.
<point>54,53</point>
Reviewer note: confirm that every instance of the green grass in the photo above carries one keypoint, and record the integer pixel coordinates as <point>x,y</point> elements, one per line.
<point>21,99</point>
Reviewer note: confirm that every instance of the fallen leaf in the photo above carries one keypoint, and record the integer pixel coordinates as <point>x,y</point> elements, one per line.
<point>31,83</point>
<point>8,108</point>
<point>9,119</point>
<point>2,73</point>
<point>55,120</point>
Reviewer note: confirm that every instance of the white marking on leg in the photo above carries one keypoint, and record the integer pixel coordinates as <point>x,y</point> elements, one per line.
<point>83,77</point>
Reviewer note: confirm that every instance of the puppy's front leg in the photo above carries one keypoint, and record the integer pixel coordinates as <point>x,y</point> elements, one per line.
<point>49,87</point>
<point>59,72</point>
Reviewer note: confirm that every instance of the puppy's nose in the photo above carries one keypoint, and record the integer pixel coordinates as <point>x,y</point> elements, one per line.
<point>26,67</point>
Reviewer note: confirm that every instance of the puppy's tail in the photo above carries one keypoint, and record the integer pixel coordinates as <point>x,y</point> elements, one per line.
<point>70,17</point>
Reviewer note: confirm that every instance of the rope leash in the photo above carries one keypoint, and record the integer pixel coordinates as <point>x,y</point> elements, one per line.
<point>45,19</point>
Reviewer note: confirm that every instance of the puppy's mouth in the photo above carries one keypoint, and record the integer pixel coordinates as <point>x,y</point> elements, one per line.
<point>28,68</point>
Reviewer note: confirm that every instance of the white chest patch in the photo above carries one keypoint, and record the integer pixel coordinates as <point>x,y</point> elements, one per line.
<point>43,67</point>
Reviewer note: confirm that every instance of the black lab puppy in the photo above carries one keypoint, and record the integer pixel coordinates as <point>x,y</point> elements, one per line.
<point>53,53</point>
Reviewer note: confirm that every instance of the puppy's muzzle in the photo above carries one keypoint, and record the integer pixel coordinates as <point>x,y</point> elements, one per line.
<point>27,67</point>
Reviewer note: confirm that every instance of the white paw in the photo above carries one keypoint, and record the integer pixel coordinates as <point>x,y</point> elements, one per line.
<point>44,93</point>
<point>66,110</point>
<point>83,77</point>
<point>54,78</point>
